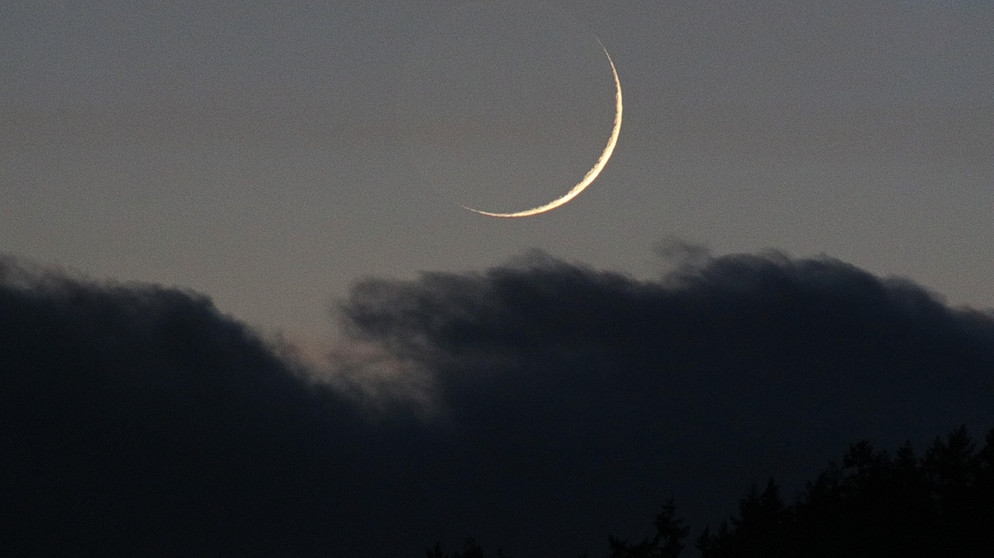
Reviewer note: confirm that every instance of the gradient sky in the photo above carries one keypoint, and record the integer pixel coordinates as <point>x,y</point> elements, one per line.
<point>271,154</point>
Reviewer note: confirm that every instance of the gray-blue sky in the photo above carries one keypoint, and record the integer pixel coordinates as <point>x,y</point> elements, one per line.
<point>271,154</point>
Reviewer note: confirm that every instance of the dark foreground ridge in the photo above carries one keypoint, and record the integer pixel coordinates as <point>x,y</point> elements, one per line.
<point>539,404</point>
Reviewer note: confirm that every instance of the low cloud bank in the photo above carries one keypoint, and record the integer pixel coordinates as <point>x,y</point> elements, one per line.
<point>539,405</point>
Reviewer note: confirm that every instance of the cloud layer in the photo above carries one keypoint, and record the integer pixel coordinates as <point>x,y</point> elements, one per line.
<point>540,405</point>
<point>136,419</point>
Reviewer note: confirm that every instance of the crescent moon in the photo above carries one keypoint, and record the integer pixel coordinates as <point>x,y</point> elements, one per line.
<point>591,175</point>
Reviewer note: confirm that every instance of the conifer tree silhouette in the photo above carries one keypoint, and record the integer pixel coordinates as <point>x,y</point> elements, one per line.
<point>667,542</point>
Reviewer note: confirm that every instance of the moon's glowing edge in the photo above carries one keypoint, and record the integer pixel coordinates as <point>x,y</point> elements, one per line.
<point>592,173</point>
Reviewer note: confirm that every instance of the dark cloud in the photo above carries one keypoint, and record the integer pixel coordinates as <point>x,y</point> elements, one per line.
<point>137,420</point>
<point>539,405</point>
<point>588,396</point>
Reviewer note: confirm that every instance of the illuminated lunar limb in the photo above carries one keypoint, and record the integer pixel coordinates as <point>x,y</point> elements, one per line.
<point>591,175</point>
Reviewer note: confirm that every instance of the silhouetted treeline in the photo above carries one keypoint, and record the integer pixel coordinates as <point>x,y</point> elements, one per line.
<point>666,543</point>
<point>874,504</point>
<point>871,503</point>
<point>471,549</point>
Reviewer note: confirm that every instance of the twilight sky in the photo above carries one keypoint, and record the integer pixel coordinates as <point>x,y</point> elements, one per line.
<point>790,250</point>
<point>271,155</point>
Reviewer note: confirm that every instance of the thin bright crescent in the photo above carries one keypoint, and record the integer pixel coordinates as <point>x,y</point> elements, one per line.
<point>592,173</point>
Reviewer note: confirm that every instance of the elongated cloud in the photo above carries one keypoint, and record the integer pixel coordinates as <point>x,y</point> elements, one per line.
<point>565,404</point>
